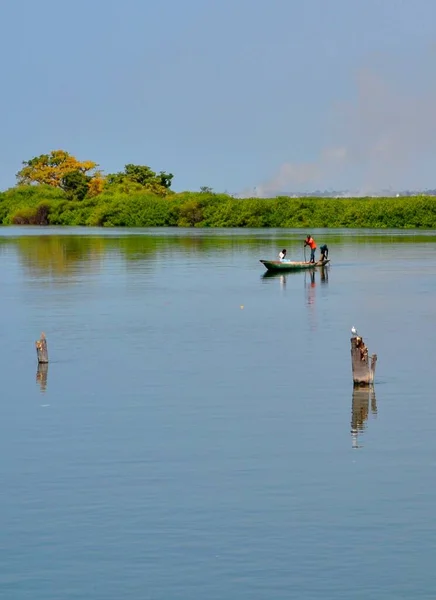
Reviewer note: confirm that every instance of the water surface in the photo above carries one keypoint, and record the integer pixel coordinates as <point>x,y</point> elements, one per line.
<point>196,434</point>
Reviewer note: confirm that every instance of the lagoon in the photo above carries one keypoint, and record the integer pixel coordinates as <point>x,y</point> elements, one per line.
<point>197,434</point>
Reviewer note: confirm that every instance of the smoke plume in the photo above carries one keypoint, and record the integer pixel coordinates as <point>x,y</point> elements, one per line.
<point>383,136</point>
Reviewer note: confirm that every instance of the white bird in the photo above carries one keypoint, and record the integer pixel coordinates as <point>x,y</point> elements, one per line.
<point>354,330</point>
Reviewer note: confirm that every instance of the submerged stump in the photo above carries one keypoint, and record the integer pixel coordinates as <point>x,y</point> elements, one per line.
<point>362,364</point>
<point>41,350</point>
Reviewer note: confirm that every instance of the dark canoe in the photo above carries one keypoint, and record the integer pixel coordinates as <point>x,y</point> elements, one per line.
<point>276,265</point>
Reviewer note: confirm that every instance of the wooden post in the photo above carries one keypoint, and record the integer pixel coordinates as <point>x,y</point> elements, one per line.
<point>41,350</point>
<point>362,365</point>
<point>41,376</point>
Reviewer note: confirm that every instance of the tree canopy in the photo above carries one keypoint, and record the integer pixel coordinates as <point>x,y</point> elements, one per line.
<point>142,176</point>
<point>81,179</point>
<point>51,169</point>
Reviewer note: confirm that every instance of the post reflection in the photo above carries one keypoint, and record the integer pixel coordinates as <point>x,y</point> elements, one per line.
<point>41,376</point>
<point>363,398</point>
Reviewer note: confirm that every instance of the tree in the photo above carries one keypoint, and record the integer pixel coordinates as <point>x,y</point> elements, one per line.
<point>53,169</point>
<point>76,185</point>
<point>96,185</point>
<point>142,176</point>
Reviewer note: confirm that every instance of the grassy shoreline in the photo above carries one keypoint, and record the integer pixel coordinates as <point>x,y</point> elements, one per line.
<point>42,205</point>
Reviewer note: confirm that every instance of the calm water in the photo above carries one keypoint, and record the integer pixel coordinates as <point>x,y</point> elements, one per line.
<point>196,435</point>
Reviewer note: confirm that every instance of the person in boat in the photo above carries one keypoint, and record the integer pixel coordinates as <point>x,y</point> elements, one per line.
<point>324,252</point>
<point>309,241</point>
<point>282,255</point>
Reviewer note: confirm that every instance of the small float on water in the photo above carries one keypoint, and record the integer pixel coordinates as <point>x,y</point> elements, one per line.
<point>290,265</point>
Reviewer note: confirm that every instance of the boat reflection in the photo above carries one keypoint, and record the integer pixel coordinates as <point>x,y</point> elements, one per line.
<point>272,275</point>
<point>41,376</point>
<point>281,278</point>
<point>363,398</point>
<point>312,275</point>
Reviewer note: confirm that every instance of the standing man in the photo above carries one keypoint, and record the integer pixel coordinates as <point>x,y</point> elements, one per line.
<point>312,244</point>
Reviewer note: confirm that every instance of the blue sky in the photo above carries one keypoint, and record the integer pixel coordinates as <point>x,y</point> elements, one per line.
<point>276,95</point>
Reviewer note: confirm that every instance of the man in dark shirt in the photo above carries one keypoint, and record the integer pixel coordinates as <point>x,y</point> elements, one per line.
<point>324,253</point>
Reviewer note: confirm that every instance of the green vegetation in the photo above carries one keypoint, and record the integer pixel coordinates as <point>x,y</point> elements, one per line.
<point>44,205</point>
<point>57,189</point>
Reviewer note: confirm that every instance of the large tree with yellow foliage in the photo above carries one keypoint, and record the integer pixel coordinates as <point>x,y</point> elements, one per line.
<point>61,169</point>
<point>52,168</point>
<point>80,179</point>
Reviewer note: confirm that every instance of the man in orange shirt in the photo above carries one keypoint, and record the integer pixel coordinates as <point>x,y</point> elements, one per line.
<point>312,244</point>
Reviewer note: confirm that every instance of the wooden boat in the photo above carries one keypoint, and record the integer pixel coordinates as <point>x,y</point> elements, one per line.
<point>277,265</point>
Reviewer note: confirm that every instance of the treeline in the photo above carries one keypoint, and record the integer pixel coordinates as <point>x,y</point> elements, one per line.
<point>58,189</point>
<point>45,205</point>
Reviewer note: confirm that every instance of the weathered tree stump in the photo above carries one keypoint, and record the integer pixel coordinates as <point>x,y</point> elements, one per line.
<point>41,376</point>
<point>41,350</point>
<point>362,364</point>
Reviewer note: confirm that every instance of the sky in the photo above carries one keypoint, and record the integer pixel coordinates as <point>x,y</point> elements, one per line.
<point>251,97</point>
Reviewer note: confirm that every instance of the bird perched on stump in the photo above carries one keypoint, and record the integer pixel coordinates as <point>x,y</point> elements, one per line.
<point>354,330</point>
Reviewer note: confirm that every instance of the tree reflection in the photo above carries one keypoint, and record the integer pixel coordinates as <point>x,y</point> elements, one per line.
<point>59,256</point>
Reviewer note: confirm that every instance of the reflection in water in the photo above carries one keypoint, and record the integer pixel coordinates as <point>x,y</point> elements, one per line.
<point>59,256</point>
<point>363,397</point>
<point>310,277</point>
<point>310,285</point>
<point>324,274</point>
<point>272,275</point>
<point>280,276</point>
<point>310,288</point>
<point>310,282</point>
<point>41,376</point>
